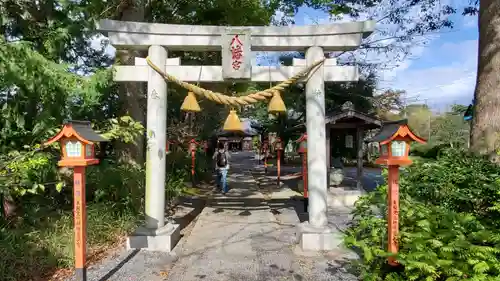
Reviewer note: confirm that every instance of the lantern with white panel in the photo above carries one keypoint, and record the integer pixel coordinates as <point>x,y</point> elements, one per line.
<point>394,141</point>
<point>77,140</point>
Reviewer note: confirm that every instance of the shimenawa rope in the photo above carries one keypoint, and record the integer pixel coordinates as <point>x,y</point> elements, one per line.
<point>232,100</point>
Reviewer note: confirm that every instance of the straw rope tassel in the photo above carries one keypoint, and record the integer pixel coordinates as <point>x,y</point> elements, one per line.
<point>190,103</point>
<point>232,100</point>
<point>276,105</point>
<point>233,123</point>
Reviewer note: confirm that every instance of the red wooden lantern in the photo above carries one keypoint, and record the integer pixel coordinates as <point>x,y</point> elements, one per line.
<point>168,146</point>
<point>77,141</point>
<point>193,144</point>
<point>278,146</point>
<point>394,142</point>
<point>303,150</point>
<point>171,145</point>
<point>302,143</point>
<point>265,149</point>
<point>265,146</point>
<point>205,146</point>
<point>192,148</point>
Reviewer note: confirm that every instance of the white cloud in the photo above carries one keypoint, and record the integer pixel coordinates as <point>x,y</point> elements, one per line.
<point>98,42</point>
<point>278,16</point>
<point>469,22</point>
<point>386,34</point>
<point>442,85</point>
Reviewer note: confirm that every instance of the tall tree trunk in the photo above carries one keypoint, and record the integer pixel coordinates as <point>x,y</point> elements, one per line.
<point>485,134</point>
<point>133,104</point>
<point>132,94</point>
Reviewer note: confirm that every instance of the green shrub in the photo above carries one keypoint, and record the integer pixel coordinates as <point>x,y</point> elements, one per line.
<point>31,251</point>
<point>436,244</point>
<point>448,223</point>
<point>431,151</point>
<point>122,184</point>
<point>373,156</point>
<point>41,236</point>
<point>458,181</point>
<point>43,239</point>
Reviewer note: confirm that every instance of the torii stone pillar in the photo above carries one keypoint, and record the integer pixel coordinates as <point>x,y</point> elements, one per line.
<point>158,38</point>
<point>156,133</point>
<point>316,150</point>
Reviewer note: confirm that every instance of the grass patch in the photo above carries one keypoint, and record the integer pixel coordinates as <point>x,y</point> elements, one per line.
<point>191,191</point>
<point>30,251</point>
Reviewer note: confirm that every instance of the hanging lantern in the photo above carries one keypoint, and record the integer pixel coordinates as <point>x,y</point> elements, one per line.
<point>233,123</point>
<point>190,103</point>
<point>276,105</point>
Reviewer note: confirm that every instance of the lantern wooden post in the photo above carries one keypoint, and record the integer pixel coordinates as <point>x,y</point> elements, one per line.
<point>259,148</point>
<point>205,151</point>
<point>394,142</point>
<point>278,145</point>
<point>168,146</point>
<point>303,150</point>
<point>80,222</point>
<point>265,146</point>
<point>393,212</point>
<point>77,141</point>
<point>192,149</point>
<point>205,146</point>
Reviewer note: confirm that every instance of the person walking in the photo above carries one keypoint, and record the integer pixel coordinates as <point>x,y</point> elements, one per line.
<point>221,157</point>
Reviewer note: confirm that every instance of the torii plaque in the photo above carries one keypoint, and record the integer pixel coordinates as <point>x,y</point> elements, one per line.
<point>236,54</point>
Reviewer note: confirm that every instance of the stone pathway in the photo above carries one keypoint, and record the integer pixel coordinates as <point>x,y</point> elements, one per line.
<point>251,237</point>
<point>257,245</point>
<point>248,234</point>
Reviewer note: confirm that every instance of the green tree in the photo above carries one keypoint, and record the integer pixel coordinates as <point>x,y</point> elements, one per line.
<point>432,16</point>
<point>485,134</point>
<point>450,128</point>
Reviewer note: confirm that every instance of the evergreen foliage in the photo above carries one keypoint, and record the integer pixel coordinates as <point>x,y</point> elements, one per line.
<point>448,223</point>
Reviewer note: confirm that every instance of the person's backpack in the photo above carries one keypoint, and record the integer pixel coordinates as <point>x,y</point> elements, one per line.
<point>221,159</point>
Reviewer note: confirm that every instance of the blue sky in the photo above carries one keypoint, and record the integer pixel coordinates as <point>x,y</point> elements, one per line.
<point>440,73</point>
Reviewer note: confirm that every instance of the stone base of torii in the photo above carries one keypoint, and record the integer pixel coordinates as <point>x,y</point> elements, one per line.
<point>315,234</point>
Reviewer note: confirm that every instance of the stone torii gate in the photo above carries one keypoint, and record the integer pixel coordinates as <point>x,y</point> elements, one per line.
<point>158,39</point>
